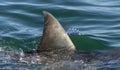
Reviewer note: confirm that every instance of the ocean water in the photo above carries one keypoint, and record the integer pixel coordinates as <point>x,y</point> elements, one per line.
<point>91,24</point>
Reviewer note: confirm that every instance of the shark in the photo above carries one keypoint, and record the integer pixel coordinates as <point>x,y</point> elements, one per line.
<point>54,36</point>
<point>56,47</point>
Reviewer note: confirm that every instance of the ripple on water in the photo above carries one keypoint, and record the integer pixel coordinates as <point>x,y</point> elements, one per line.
<point>95,22</point>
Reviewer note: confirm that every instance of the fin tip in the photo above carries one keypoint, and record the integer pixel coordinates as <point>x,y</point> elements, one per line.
<point>46,13</point>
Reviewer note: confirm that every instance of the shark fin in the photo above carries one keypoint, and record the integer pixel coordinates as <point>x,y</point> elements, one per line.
<point>54,36</point>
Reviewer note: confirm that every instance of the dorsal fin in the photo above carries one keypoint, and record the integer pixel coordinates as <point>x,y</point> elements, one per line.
<point>54,37</point>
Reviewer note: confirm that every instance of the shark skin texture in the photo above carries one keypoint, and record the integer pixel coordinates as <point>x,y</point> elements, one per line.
<point>54,36</point>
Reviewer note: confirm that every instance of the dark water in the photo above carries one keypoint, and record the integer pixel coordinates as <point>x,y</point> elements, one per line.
<point>91,24</point>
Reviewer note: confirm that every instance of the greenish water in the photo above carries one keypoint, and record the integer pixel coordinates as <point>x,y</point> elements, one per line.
<point>91,24</point>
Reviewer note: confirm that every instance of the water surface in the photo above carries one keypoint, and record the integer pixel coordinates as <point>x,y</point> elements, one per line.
<point>92,25</point>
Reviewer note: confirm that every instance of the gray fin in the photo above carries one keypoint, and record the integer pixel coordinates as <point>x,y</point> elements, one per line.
<point>54,36</point>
